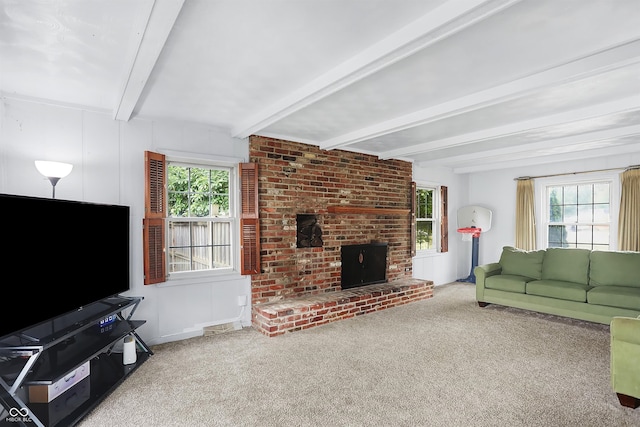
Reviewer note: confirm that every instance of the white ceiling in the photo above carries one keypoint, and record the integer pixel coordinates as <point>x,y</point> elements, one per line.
<point>471,84</point>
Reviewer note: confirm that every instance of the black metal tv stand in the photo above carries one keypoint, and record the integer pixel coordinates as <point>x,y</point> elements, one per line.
<point>49,357</point>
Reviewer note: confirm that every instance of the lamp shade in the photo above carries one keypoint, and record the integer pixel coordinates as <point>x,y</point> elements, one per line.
<point>53,169</point>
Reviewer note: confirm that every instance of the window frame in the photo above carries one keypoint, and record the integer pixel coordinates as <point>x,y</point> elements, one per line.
<point>542,206</point>
<point>436,219</point>
<point>232,219</point>
<point>155,229</point>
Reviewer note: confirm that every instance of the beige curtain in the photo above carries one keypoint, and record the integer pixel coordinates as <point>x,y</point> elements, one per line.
<point>629,220</point>
<point>525,215</point>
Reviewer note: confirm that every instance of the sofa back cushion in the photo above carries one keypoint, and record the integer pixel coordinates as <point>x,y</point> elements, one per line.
<point>615,268</point>
<point>521,263</point>
<point>566,264</point>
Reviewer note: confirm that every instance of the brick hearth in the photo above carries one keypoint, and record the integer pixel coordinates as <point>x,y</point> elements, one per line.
<point>351,199</point>
<point>295,314</point>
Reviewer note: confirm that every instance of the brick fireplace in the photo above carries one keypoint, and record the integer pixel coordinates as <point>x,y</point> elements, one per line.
<point>348,199</point>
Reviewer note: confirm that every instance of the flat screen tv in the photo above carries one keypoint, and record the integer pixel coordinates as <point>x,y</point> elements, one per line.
<point>59,256</point>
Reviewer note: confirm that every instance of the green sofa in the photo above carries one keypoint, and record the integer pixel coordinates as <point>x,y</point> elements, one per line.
<point>625,360</point>
<point>579,283</point>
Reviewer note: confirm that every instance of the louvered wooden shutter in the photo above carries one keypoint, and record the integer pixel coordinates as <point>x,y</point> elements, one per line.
<point>249,220</point>
<point>153,224</point>
<point>444,219</point>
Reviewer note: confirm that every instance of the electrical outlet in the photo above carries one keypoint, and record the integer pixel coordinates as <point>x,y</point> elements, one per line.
<point>242,300</point>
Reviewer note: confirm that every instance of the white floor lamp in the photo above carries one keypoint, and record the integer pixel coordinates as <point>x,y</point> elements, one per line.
<point>54,171</point>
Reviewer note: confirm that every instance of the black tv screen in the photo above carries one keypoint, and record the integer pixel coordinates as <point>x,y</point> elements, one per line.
<point>59,256</point>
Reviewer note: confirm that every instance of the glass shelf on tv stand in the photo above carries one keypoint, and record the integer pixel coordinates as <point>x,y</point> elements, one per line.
<point>54,331</point>
<point>45,353</point>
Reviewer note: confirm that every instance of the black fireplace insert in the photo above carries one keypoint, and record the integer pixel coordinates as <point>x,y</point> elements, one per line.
<point>363,264</point>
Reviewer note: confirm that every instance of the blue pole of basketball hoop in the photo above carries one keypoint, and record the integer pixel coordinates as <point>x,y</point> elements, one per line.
<point>475,245</point>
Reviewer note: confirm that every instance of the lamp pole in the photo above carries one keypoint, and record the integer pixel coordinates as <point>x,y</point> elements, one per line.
<point>54,180</point>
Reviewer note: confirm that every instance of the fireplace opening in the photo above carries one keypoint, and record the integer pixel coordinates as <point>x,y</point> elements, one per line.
<point>363,264</point>
<point>309,231</point>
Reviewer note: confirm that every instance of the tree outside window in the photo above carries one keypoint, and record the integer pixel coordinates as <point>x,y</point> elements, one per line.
<point>199,220</point>
<point>425,219</point>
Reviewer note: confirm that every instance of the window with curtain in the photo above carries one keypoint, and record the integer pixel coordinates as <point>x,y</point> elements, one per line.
<point>579,215</point>
<point>629,219</point>
<point>525,215</point>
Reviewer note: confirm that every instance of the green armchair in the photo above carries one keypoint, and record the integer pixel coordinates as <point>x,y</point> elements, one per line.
<point>625,360</point>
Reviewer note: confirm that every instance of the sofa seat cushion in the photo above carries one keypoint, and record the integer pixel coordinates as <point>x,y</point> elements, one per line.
<point>615,296</point>
<point>521,263</point>
<point>610,268</point>
<point>507,282</point>
<point>558,289</point>
<point>566,265</point>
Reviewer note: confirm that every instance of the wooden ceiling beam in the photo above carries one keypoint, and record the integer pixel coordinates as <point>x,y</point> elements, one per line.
<point>152,37</point>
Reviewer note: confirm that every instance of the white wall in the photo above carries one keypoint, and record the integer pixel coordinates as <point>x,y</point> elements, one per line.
<point>108,159</point>
<point>455,264</point>
<point>496,190</point>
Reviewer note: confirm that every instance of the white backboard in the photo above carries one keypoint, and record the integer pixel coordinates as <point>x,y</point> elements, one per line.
<point>474,216</point>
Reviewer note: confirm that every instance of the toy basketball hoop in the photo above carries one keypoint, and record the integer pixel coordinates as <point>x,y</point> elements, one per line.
<point>472,220</point>
<point>468,233</point>
<point>471,234</point>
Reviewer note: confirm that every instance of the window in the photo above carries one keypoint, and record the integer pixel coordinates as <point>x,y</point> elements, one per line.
<point>200,220</point>
<point>425,219</point>
<point>430,229</point>
<point>578,215</point>
<point>194,223</point>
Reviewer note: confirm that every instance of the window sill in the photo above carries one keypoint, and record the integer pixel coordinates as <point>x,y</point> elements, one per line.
<point>426,254</point>
<point>184,279</point>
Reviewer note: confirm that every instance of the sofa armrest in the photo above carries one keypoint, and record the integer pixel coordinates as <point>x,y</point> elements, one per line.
<point>482,272</point>
<point>625,359</point>
<point>489,269</point>
<point>626,329</point>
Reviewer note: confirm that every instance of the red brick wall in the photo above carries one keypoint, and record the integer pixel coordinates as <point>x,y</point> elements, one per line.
<point>298,178</point>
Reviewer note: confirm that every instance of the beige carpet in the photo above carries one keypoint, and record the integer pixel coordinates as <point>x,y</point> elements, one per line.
<point>437,362</point>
